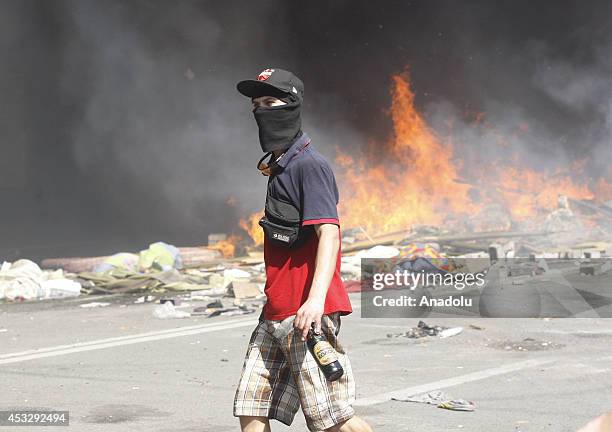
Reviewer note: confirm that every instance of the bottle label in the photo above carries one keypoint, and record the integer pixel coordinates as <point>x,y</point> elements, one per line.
<point>325,353</point>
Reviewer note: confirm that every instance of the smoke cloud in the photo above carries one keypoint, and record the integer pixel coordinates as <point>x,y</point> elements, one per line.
<point>122,125</point>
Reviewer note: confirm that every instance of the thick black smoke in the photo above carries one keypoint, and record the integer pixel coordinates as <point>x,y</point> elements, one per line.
<point>121,125</point>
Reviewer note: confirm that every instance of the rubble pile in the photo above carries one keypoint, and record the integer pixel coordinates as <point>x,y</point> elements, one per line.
<point>577,229</point>
<point>24,280</point>
<point>185,274</point>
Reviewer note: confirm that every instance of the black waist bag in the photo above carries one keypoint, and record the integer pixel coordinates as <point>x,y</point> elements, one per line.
<point>282,223</point>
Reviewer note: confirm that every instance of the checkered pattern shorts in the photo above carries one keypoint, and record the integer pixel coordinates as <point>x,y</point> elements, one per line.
<point>280,374</point>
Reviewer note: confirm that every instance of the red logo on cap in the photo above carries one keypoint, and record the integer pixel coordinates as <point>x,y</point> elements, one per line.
<point>264,75</point>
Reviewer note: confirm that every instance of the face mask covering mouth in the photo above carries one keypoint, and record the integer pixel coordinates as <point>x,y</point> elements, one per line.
<point>278,125</point>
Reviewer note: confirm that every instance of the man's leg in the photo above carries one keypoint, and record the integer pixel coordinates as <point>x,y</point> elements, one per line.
<point>265,390</point>
<point>254,424</point>
<point>324,404</point>
<point>354,424</point>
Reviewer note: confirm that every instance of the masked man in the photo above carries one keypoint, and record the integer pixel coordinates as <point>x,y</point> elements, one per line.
<point>303,284</point>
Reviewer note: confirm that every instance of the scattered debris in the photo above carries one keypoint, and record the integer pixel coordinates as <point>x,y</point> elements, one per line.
<point>423,330</point>
<point>176,301</point>
<point>595,267</point>
<point>240,310</point>
<point>562,220</point>
<point>24,280</point>
<point>209,273</point>
<point>217,308</point>
<point>214,238</point>
<point>125,281</point>
<point>420,250</point>
<point>493,217</point>
<point>458,405</point>
<point>351,265</point>
<point>440,399</point>
<point>189,256</point>
<point>144,299</point>
<point>160,256</point>
<point>450,332</point>
<point>432,398</point>
<point>527,344</point>
<point>94,305</point>
<point>122,260</point>
<point>200,295</point>
<point>168,311</point>
<point>244,289</point>
<point>217,304</point>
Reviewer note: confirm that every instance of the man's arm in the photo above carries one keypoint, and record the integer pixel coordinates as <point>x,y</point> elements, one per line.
<point>325,265</point>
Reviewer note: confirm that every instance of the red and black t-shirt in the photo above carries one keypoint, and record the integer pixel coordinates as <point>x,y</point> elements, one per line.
<point>306,180</point>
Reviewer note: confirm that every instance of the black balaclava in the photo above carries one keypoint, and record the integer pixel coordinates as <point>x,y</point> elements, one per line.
<point>279,125</point>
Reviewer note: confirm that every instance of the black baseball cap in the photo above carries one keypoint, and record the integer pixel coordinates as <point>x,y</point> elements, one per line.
<point>272,82</point>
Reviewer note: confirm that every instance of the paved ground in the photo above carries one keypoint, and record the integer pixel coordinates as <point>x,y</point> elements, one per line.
<point>120,369</point>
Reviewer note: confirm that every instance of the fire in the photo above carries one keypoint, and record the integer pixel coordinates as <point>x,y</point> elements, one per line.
<point>525,193</point>
<point>413,180</point>
<point>251,226</point>
<point>415,177</point>
<point>227,247</point>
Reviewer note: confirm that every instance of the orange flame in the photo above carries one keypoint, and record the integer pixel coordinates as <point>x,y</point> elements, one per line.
<point>525,192</point>
<point>414,178</point>
<point>251,226</point>
<point>227,247</point>
<point>413,182</point>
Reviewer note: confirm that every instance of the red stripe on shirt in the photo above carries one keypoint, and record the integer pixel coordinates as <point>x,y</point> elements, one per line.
<point>321,221</point>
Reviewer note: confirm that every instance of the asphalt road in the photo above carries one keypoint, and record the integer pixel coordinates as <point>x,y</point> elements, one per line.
<point>120,369</point>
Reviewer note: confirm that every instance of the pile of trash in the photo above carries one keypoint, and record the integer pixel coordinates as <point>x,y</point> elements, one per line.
<point>160,268</point>
<point>24,280</point>
<point>156,270</point>
<point>574,228</point>
<point>221,290</point>
<point>212,269</point>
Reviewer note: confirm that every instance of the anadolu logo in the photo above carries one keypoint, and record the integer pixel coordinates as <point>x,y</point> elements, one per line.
<point>264,75</point>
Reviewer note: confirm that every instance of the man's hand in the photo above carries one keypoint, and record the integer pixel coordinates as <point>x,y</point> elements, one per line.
<point>311,311</point>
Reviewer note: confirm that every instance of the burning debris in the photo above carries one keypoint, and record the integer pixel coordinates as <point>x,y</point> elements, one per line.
<point>415,188</point>
<point>416,178</point>
<point>412,198</point>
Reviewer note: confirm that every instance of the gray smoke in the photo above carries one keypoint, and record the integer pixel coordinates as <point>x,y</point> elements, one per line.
<point>546,95</point>
<point>121,124</point>
<point>163,128</point>
<point>585,89</point>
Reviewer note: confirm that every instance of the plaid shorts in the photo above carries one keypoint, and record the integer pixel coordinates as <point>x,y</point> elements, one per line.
<point>280,374</point>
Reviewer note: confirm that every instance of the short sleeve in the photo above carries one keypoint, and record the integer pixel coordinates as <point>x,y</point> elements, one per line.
<point>319,194</point>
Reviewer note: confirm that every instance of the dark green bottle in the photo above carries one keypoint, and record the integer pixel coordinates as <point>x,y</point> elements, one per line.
<point>325,355</point>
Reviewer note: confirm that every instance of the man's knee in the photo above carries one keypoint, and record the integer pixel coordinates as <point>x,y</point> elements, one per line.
<point>254,424</point>
<point>354,424</point>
